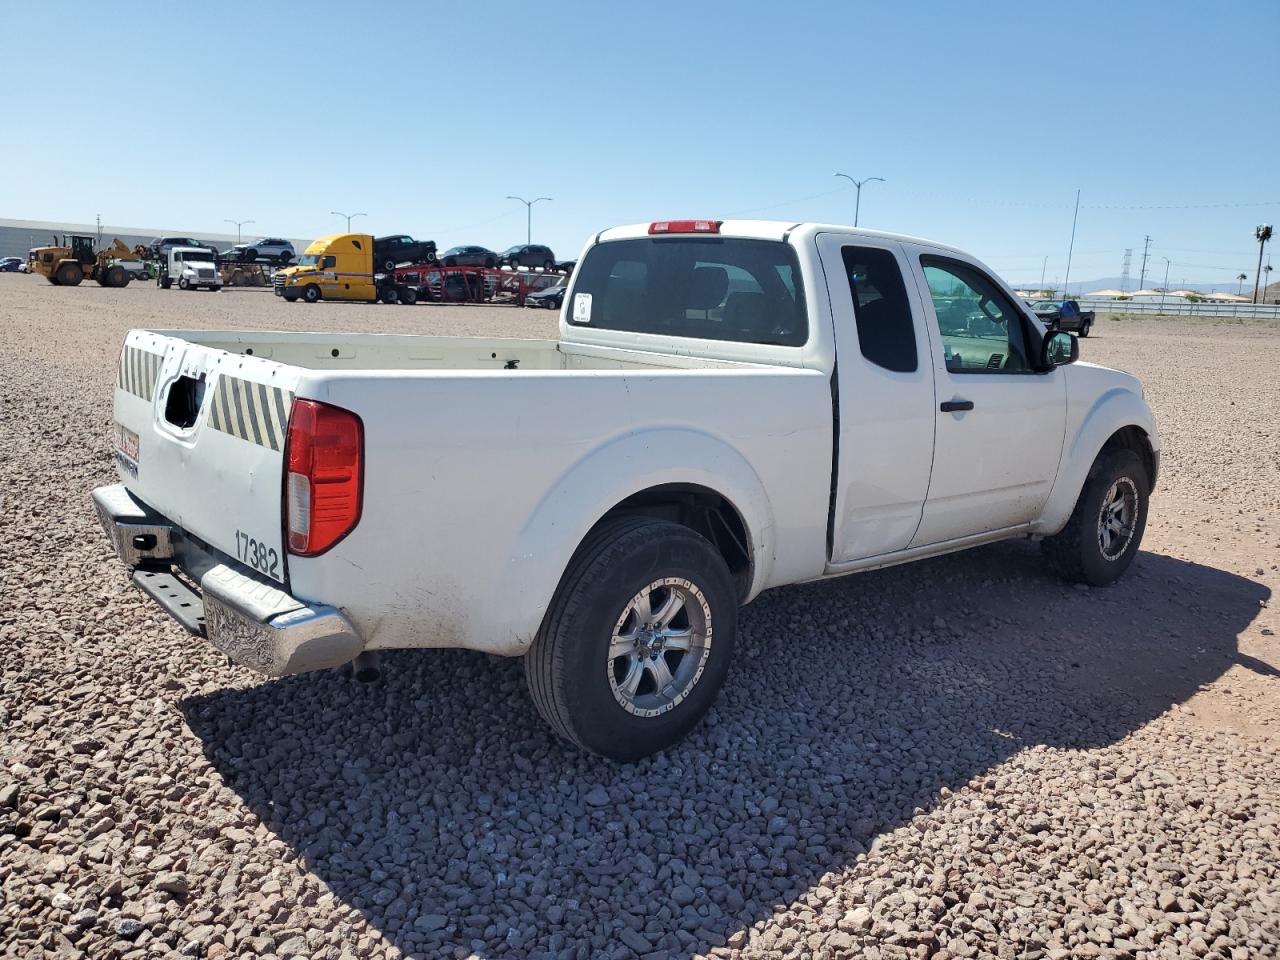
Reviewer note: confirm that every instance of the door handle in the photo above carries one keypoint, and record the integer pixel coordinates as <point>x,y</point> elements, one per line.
<point>955,406</point>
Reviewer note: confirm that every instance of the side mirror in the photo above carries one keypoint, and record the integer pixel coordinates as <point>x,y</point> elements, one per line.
<point>1058,348</point>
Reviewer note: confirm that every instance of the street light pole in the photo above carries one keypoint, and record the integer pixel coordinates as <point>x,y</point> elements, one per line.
<point>1165,289</point>
<point>349,216</point>
<point>857,204</point>
<point>528,210</point>
<point>1071,249</point>
<point>1043,267</point>
<point>239,224</point>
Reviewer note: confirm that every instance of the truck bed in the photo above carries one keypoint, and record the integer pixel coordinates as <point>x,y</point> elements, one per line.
<point>331,351</point>
<point>485,463</point>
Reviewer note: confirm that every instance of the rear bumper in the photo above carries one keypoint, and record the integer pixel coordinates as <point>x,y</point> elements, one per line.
<point>252,620</point>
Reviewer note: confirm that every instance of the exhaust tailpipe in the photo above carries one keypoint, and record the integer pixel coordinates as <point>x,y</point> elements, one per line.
<point>365,667</point>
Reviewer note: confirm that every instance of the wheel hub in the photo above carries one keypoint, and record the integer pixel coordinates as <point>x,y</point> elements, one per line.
<point>659,647</point>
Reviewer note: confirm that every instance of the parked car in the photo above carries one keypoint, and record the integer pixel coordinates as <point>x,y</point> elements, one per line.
<point>469,257</point>
<point>705,427</point>
<point>550,297</point>
<point>401,248</point>
<point>269,249</point>
<point>527,255</point>
<point>161,246</point>
<point>13,265</point>
<point>1064,315</point>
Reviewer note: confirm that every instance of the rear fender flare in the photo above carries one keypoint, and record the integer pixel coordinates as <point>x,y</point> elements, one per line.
<point>594,485</point>
<point>1116,409</point>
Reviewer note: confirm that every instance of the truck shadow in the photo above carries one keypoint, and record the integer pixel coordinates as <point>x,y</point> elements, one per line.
<point>438,804</point>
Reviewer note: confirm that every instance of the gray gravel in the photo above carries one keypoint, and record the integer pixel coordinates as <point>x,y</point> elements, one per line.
<point>959,758</point>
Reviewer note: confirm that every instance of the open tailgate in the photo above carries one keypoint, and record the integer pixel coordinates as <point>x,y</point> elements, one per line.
<point>199,436</point>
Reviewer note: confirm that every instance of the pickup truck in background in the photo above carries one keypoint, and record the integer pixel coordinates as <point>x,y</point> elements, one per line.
<point>1064,315</point>
<point>729,407</point>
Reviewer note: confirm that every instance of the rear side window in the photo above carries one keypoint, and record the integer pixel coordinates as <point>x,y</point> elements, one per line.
<point>711,288</point>
<point>886,331</point>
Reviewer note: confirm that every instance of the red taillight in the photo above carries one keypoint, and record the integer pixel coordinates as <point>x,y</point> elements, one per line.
<point>324,478</point>
<point>684,226</point>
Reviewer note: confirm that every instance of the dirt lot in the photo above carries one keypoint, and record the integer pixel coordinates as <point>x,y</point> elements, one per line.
<point>959,758</point>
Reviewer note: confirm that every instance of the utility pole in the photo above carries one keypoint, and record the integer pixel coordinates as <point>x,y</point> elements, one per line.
<point>857,206</point>
<point>1262,234</point>
<point>1043,267</point>
<point>528,212</point>
<point>1146,245</point>
<point>1165,289</point>
<point>98,219</point>
<point>1124,273</point>
<point>349,216</point>
<point>241,223</point>
<point>1067,282</point>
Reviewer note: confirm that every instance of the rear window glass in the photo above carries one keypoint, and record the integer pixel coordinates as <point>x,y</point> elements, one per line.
<point>713,288</point>
<point>886,332</point>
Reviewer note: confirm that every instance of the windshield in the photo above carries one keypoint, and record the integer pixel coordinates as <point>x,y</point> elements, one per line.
<point>309,260</point>
<point>713,288</point>
<point>191,255</point>
<point>1046,305</point>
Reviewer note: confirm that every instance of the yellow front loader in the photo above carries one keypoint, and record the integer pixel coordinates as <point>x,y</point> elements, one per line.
<point>68,263</point>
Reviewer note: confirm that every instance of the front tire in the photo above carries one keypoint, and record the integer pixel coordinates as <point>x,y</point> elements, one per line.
<point>311,293</point>
<point>183,284</point>
<point>624,664</point>
<point>1105,530</point>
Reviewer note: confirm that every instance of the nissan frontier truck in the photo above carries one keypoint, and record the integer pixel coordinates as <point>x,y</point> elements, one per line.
<point>729,407</point>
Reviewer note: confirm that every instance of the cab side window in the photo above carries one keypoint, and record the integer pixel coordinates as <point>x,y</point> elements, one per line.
<point>329,263</point>
<point>886,332</point>
<point>982,332</point>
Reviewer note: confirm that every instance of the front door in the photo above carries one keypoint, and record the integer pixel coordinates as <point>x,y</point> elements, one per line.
<point>884,395</point>
<point>999,422</point>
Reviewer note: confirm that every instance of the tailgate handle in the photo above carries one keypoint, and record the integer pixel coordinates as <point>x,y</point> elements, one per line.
<point>185,399</point>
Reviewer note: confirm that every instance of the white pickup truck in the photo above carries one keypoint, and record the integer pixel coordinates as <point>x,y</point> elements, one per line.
<point>730,406</point>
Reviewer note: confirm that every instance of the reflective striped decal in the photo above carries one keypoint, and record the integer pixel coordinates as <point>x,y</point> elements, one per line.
<point>139,370</point>
<point>251,411</point>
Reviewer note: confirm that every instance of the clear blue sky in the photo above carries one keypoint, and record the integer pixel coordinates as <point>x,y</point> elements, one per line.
<point>427,116</point>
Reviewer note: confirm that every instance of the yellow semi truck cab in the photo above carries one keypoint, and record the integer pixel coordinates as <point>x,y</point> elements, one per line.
<point>336,267</point>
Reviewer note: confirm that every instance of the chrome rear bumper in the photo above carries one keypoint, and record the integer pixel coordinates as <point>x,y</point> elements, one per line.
<point>251,620</point>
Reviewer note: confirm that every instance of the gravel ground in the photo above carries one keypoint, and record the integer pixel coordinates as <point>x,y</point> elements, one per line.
<point>959,758</point>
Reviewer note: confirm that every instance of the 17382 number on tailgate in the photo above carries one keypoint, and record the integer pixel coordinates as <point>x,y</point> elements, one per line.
<point>257,555</point>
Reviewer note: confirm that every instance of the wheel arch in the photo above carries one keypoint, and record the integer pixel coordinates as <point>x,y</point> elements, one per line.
<point>1119,419</point>
<point>671,473</point>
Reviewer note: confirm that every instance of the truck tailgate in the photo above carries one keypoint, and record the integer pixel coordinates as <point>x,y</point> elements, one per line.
<point>199,436</point>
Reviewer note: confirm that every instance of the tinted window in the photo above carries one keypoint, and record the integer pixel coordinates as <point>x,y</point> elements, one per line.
<point>982,331</point>
<point>714,288</point>
<point>886,332</point>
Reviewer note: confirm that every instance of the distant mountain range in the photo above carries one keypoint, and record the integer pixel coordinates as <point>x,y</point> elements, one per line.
<point>1079,287</point>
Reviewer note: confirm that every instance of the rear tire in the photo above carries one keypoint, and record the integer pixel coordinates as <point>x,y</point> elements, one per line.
<point>284,258</point>
<point>1106,527</point>
<point>548,266</point>
<point>166,284</point>
<point>489,264</point>
<point>407,295</point>
<point>515,263</point>
<point>1084,328</point>
<point>311,293</point>
<point>388,265</point>
<point>388,295</point>
<point>608,670</point>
